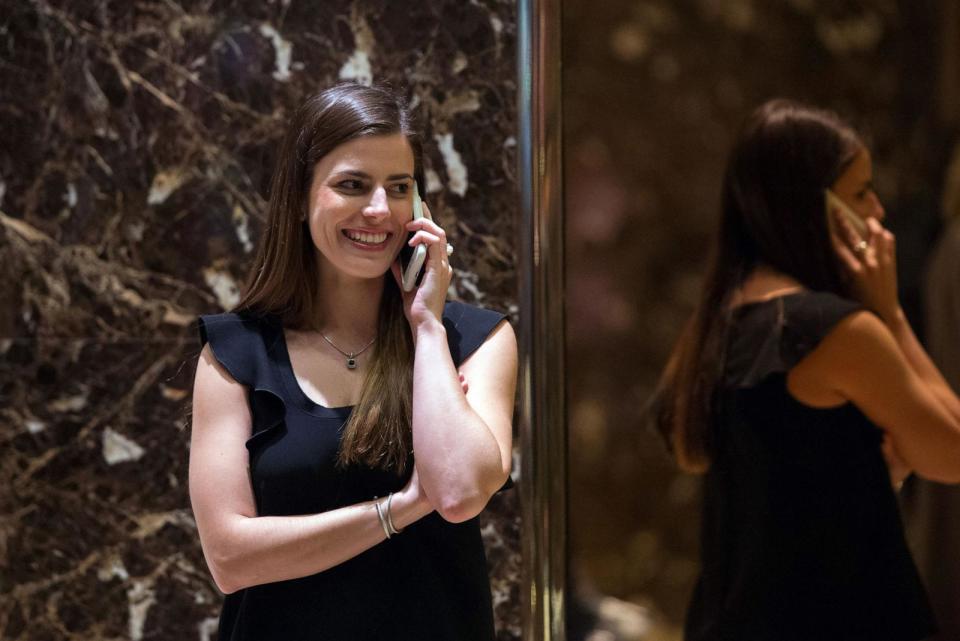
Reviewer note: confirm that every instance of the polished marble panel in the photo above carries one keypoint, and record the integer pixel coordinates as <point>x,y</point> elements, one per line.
<point>138,141</point>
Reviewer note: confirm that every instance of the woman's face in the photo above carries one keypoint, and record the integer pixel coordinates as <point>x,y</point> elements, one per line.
<point>855,188</point>
<point>361,197</point>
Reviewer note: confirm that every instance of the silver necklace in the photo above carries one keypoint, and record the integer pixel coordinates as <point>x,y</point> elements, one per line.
<point>350,356</point>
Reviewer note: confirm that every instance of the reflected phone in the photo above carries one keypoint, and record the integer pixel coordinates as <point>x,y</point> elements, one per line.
<point>859,224</point>
<point>412,258</point>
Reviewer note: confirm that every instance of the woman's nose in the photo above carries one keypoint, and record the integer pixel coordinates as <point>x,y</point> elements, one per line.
<point>377,208</point>
<point>876,208</point>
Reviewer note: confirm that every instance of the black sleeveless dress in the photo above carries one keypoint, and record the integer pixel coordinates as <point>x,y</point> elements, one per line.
<point>802,538</point>
<point>429,582</point>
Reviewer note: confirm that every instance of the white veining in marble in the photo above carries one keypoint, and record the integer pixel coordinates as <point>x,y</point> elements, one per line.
<point>140,597</point>
<point>468,281</point>
<point>71,403</point>
<point>456,170</point>
<point>112,567</point>
<point>165,183</point>
<point>70,198</point>
<point>283,52</point>
<point>357,67</point>
<point>434,184</point>
<point>208,628</point>
<point>223,286</point>
<point>117,448</point>
<point>241,223</point>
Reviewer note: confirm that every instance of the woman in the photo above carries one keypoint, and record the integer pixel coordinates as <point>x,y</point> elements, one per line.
<point>796,373</point>
<point>337,462</point>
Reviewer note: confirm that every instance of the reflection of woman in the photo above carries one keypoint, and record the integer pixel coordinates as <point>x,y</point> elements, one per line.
<point>328,412</point>
<point>795,375</point>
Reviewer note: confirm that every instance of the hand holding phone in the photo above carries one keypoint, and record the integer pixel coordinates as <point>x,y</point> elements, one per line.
<point>412,258</point>
<point>859,224</point>
<point>874,273</point>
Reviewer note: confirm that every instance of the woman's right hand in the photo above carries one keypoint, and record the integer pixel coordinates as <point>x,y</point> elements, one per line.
<point>871,264</point>
<point>413,491</point>
<point>425,303</point>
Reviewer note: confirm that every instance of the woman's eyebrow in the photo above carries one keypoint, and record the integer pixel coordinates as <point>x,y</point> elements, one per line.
<point>362,174</point>
<point>353,172</point>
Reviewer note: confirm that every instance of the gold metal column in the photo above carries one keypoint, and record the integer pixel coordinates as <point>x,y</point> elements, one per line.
<point>542,427</point>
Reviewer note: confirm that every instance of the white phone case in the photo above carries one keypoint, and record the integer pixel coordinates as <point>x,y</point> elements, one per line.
<point>409,280</point>
<point>859,224</point>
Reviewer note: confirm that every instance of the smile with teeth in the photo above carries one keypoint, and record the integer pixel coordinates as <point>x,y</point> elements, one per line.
<point>366,238</point>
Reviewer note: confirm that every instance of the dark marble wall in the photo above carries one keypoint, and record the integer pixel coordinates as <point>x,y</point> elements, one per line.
<point>137,144</point>
<point>654,91</point>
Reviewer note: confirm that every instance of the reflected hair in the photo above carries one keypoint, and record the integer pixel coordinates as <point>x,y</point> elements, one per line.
<point>772,212</point>
<point>283,280</point>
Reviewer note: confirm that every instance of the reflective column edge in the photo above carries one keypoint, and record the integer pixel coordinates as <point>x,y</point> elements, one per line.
<point>542,427</point>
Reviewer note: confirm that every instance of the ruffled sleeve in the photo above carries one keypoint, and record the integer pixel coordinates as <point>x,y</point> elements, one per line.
<point>467,328</point>
<point>773,336</point>
<point>231,337</point>
<point>808,320</point>
<point>241,344</point>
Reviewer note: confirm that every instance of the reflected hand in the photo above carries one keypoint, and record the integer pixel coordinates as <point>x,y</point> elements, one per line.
<point>871,264</point>
<point>898,467</point>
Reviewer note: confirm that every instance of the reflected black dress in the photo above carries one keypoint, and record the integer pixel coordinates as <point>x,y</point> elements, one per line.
<point>429,582</point>
<point>802,538</point>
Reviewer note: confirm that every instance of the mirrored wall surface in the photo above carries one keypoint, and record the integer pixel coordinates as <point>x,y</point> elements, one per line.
<point>653,94</point>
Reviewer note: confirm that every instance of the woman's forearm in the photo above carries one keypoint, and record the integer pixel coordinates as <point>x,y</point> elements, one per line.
<point>457,456</point>
<point>244,551</point>
<point>920,361</point>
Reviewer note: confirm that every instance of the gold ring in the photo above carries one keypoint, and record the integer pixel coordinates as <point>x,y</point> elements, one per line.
<point>860,247</point>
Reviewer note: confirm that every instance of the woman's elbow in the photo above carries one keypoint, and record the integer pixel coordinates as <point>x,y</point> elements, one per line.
<point>944,476</point>
<point>224,568</point>
<point>463,506</point>
<point>228,567</point>
<point>224,584</point>
<point>940,470</point>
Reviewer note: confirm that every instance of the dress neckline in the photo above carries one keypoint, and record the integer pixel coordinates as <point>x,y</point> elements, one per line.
<point>292,385</point>
<point>738,309</point>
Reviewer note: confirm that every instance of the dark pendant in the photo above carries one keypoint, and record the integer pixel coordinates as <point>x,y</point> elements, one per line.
<point>351,363</point>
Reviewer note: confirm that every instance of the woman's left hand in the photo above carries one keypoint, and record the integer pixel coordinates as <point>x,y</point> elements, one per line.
<point>425,302</point>
<point>898,467</point>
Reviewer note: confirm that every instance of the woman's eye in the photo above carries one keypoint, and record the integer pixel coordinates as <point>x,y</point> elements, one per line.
<point>350,185</point>
<point>401,188</point>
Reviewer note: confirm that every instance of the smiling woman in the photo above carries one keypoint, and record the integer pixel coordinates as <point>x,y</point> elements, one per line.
<point>328,389</point>
<point>360,202</point>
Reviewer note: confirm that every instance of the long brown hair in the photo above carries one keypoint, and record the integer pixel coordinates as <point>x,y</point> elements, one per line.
<point>282,281</point>
<point>772,213</point>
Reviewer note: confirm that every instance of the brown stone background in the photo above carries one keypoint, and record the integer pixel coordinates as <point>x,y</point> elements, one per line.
<point>137,144</point>
<point>654,91</point>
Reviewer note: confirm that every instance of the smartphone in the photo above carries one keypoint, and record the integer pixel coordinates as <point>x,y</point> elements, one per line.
<point>412,258</point>
<point>859,224</point>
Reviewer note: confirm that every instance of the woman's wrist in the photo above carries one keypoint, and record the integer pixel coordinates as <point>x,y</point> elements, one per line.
<point>893,317</point>
<point>409,506</point>
<point>430,326</point>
